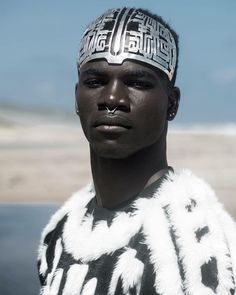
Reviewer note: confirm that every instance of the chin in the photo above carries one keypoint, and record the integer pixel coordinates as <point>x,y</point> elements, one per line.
<point>111,152</point>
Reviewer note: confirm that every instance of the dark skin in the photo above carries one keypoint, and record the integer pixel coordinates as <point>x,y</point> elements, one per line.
<point>128,147</point>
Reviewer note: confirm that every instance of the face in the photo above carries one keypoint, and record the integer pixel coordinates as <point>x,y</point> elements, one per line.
<point>137,98</point>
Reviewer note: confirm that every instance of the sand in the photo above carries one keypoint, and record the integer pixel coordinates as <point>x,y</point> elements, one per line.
<point>47,162</point>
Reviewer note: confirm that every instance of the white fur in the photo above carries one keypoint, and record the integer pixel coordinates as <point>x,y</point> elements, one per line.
<point>173,196</point>
<point>81,197</point>
<point>75,279</point>
<point>178,193</point>
<point>54,289</point>
<point>80,239</point>
<point>229,228</point>
<point>90,287</point>
<point>158,239</point>
<point>43,263</point>
<point>48,289</point>
<point>130,270</point>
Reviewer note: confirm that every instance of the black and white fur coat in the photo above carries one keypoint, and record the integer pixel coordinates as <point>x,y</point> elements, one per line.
<point>188,238</point>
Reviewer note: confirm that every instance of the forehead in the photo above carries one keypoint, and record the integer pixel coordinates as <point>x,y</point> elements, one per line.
<point>138,69</point>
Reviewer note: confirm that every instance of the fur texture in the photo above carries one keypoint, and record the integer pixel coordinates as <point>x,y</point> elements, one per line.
<point>179,241</point>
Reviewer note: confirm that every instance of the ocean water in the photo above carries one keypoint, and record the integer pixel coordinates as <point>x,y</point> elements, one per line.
<point>20,228</point>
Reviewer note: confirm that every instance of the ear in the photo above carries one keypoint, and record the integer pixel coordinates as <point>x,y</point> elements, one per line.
<point>173,103</point>
<point>76,103</point>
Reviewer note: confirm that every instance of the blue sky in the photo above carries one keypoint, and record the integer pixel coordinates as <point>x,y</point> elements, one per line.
<point>41,39</point>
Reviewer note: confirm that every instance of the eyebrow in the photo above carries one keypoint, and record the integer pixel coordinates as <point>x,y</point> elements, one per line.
<point>131,73</point>
<point>92,71</point>
<point>140,74</point>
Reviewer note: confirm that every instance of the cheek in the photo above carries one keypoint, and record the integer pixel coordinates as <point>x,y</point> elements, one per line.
<point>85,100</point>
<point>157,117</point>
<point>85,107</point>
<point>82,100</point>
<point>151,119</point>
<point>153,110</point>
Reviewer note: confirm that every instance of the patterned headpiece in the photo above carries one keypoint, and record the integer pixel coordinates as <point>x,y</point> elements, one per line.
<point>128,33</point>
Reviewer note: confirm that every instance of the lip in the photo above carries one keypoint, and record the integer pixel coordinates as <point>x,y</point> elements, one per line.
<point>112,123</point>
<point>111,129</point>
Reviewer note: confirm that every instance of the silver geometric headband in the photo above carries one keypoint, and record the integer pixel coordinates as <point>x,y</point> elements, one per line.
<point>127,33</point>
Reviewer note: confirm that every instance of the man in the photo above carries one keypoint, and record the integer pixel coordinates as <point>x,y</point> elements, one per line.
<point>140,228</point>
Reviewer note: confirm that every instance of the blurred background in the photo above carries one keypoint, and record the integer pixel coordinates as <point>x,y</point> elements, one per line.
<point>43,154</point>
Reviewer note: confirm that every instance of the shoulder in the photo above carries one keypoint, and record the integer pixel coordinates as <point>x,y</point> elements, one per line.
<point>186,188</point>
<point>187,197</point>
<point>53,230</point>
<point>78,199</point>
<point>194,205</point>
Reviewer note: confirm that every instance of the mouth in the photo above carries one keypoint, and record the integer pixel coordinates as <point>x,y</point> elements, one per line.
<point>114,123</point>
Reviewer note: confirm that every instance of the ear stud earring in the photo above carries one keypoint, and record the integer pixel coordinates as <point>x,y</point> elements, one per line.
<point>76,108</point>
<point>171,116</point>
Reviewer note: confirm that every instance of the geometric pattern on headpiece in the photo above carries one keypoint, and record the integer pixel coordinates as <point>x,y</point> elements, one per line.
<point>128,33</point>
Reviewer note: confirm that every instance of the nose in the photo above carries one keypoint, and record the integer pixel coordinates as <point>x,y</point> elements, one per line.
<point>114,96</point>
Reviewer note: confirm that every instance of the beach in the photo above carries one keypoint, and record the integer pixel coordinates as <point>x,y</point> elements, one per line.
<point>45,160</point>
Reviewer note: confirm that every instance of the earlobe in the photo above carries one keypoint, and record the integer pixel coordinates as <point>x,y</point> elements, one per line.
<point>76,104</point>
<point>76,107</point>
<point>76,87</point>
<point>174,99</point>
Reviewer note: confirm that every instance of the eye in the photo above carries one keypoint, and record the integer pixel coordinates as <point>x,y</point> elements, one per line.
<point>139,84</point>
<point>94,82</point>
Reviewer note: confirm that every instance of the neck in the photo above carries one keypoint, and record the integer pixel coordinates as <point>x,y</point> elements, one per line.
<point>118,180</point>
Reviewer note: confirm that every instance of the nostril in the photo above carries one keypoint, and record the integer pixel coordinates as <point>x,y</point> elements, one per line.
<point>124,108</point>
<point>102,107</point>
